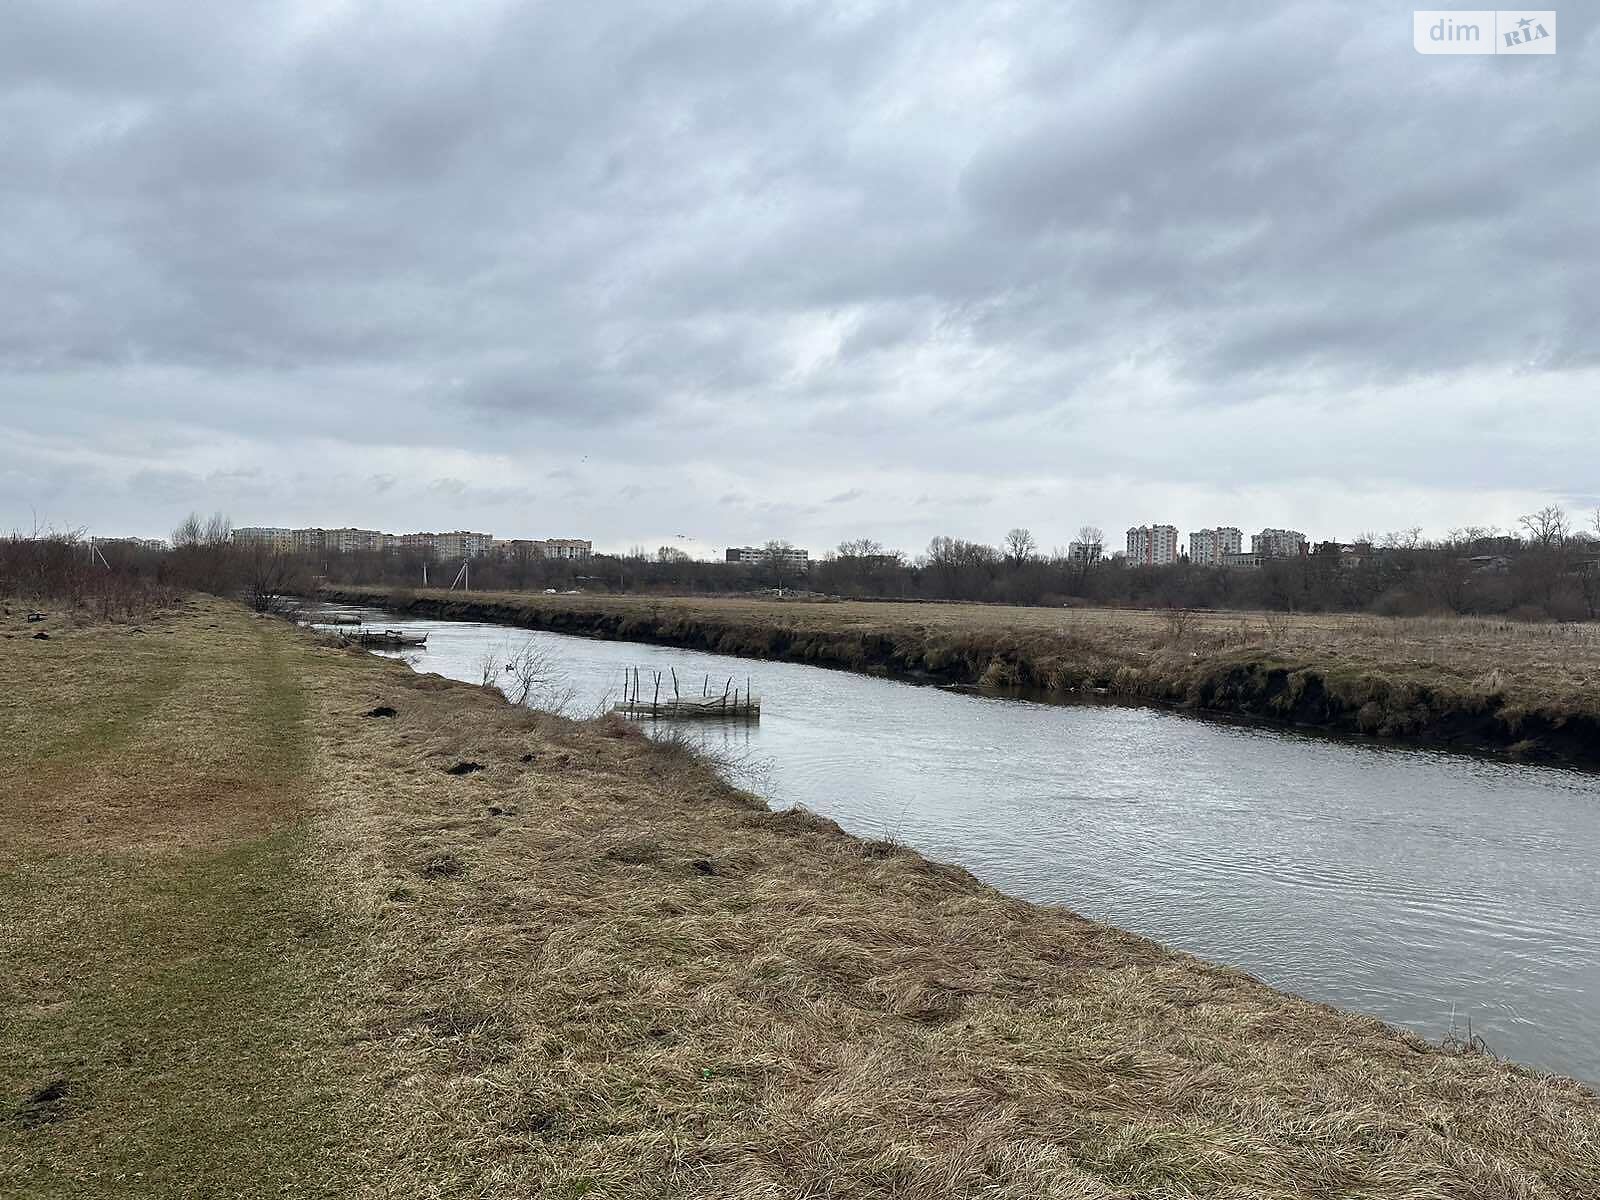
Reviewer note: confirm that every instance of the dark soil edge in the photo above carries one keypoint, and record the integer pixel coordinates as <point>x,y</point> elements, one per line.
<point>1253,685</point>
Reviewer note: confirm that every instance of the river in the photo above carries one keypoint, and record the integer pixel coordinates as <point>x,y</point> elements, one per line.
<point>1406,883</point>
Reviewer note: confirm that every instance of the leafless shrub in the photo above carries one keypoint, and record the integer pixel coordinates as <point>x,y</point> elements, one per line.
<point>529,675</point>
<point>69,570</point>
<point>270,579</point>
<point>1175,626</point>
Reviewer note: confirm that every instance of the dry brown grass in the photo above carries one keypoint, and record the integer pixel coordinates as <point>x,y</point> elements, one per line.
<point>1472,681</point>
<point>592,969</point>
<point>1542,658</point>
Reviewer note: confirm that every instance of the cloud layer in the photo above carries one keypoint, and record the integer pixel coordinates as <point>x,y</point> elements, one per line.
<point>740,271</point>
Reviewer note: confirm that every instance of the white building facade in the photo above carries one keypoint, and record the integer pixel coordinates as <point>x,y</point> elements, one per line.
<point>791,556</point>
<point>1278,543</point>
<point>567,548</point>
<point>1153,545</point>
<point>1207,546</point>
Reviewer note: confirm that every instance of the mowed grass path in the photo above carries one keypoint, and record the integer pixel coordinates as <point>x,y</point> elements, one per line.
<point>166,958</point>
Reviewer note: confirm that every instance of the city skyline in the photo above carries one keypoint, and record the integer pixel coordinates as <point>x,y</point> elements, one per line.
<point>1216,546</point>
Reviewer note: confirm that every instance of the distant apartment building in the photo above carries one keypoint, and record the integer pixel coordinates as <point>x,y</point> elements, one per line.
<point>446,547</point>
<point>1207,546</point>
<point>791,556</point>
<point>352,541</point>
<point>1279,543</point>
<point>460,543</point>
<point>1084,553</point>
<point>132,543</point>
<point>518,548</point>
<point>1153,545</point>
<point>268,536</point>
<point>1242,560</point>
<point>567,548</point>
<point>418,545</point>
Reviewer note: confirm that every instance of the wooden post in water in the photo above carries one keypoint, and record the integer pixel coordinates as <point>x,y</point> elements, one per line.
<point>675,697</point>
<point>656,703</point>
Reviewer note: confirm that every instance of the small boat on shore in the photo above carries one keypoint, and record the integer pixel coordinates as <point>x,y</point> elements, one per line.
<point>390,637</point>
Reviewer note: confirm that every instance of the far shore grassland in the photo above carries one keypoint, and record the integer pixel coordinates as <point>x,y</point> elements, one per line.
<point>1530,689</point>
<point>279,919</point>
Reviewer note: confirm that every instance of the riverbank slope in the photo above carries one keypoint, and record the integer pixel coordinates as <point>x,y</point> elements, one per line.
<point>1533,690</point>
<point>287,920</point>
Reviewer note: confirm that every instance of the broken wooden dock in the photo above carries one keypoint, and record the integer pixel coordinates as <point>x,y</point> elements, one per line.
<point>665,699</point>
<point>389,637</point>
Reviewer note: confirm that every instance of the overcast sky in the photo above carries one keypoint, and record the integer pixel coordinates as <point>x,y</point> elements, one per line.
<point>710,274</point>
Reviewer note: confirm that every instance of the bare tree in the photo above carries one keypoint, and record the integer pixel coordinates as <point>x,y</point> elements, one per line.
<point>203,554</point>
<point>780,567</point>
<point>1020,546</point>
<point>867,548</point>
<point>270,577</point>
<point>529,676</point>
<point>1548,529</point>
<point>1403,539</point>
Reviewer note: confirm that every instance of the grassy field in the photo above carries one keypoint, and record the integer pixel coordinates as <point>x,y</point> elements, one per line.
<point>284,920</point>
<point>1533,689</point>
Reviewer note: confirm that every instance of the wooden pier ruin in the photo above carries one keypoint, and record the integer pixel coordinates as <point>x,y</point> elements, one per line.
<point>726,702</point>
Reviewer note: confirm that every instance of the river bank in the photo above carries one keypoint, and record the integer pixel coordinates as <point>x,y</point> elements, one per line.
<point>289,920</point>
<point>1530,690</point>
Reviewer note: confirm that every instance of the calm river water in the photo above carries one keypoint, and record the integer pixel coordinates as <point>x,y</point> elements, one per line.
<point>1402,883</point>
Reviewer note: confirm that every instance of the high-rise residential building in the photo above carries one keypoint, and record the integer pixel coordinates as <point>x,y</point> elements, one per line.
<point>1152,545</point>
<point>461,544</point>
<point>271,537</point>
<point>1278,543</point>
<point>419,545</point>
<point>1207,546</point>
<point>1084,553</point>
<point>567,547</point>
<point>351,541</point>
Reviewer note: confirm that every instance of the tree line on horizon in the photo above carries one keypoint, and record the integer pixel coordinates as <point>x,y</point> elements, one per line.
<point>1546,570</point>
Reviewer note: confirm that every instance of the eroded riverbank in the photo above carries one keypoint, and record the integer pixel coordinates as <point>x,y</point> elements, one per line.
<point>1417,885</point>
<point>1531,691</point>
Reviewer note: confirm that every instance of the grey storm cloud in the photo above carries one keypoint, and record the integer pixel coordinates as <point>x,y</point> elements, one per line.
<point>866,267</point>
